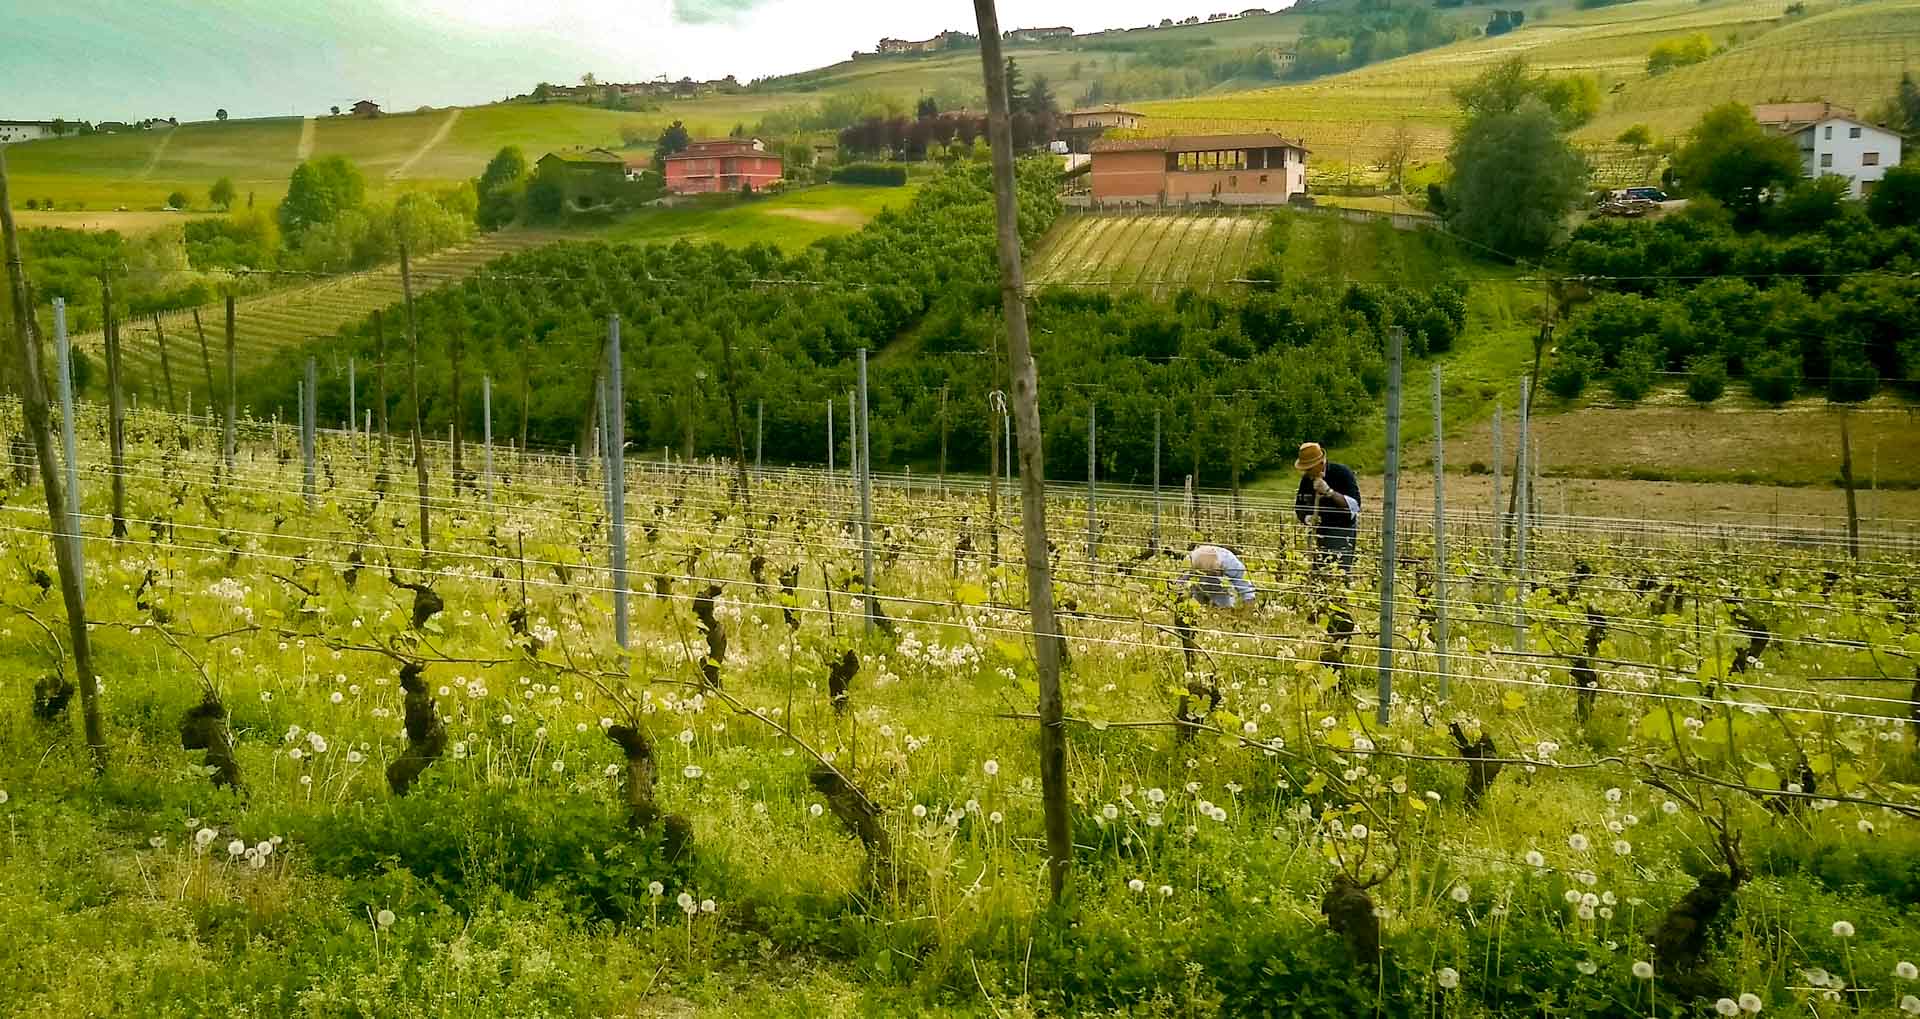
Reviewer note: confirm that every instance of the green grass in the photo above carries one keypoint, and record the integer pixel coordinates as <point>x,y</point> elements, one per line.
<point>790,221</point>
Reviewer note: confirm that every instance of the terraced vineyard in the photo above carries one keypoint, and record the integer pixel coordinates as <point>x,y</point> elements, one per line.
<point>263,325</point>
<point>1161,251</point>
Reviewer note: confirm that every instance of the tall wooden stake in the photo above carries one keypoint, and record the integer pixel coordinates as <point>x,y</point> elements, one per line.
<point>116,410</point>
<point>33,406</point>
<point>1846,479</point>
<point>943,442</point>
<point>413,389</point>
<point>456,413</point>
<point>380,384</point>
<point>231,444</point>
<point>743,491</point>
<point>866,499</point>
<point>166,366</point>
<point>1033,496</point>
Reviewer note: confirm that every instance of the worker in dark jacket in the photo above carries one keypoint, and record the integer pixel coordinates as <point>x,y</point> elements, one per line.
<point>1329,504</point>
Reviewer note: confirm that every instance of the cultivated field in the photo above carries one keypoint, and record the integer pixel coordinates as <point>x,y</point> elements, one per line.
<point>789,221</point>
<point>1162,252</point>
<point>1852,54</point>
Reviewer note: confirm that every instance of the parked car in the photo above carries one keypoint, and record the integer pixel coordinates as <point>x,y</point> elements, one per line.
<point>1649,194</point>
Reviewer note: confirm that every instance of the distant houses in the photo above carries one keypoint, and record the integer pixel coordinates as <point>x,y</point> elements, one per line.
<point>366,109</point>
<point>1834,142</point>
<point>944,41</point>
<point>1247,169</point>
<point>605,91</point>
<point>723,165</point>
<point>12,131</point>
<point>1037,34</point>
<point>1079,129</point>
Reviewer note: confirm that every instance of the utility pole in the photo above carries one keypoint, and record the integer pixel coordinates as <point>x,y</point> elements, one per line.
<point>33,405</point>
<point>1033,507</point>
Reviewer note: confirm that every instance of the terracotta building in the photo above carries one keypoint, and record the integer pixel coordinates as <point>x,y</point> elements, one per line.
<point>727,164</point>
<point>1234,169</point>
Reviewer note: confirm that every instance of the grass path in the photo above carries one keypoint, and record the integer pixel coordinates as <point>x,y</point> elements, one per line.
<point>439,135</point>
<point>309,133</point>
<point>153,158</point>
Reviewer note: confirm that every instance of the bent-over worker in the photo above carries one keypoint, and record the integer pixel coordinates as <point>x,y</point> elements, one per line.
<point>1217,577</point>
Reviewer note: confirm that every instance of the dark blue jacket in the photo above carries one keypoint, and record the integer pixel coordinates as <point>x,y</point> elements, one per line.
<point>1333,512</point>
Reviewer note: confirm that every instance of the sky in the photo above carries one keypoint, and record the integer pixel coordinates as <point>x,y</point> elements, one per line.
<point>131,59</point>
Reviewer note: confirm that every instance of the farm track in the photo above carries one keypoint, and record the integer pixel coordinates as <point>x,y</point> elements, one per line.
<point>439,135</point>
<point>269,323</point>
<point>309,133</point>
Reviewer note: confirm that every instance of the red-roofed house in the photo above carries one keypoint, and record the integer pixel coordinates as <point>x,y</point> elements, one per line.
<point>727,164</point>
<point>1235,169</point>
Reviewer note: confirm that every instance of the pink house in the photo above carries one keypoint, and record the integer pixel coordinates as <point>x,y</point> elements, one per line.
<point>724,165</point>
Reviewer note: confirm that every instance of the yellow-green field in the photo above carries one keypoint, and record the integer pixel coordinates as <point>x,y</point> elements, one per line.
<point>790,221</point>
<point>1851,54</point>
<point>1160,252</point>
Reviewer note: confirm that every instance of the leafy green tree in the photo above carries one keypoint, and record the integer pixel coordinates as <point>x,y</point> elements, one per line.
<point>178,200</point>
<point>497,193</point>
<point>1040,100</point>
<point>1731,157</point>
<point>1637,137</point>
<point>1515,178</point>
<point>1504,87</point>
<point>1635,372</point>
<point>1774,376</point>
<point>1668,54</point>
<point>1575,99</point>
<point>1895,201</point>
<point>1851,377</point>
<point>673,139</point>
<point>1810,205</point>
<point>220,115</point>
<point>318,192</point>
<point>1706,378</point>
<point>221,194</point>
<point>1573,364</point>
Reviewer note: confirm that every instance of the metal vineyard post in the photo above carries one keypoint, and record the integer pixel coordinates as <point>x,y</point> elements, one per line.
<point>1389,513</point>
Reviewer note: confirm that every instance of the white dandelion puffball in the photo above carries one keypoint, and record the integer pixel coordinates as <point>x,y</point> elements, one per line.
<point>1110,812</point>
<point>1136,885</point>
<point>236,848</point>
<point>1906,971</point>
<point>919,810</point>
<point>1587,966</point>
<point>1534,859</point>
<point>990,766</point>
<point>1842,929</point>
<point>1727,1006</point>
<point>692,771</point>
<point>686,901</point>
<point>707,906</point>
<point>1621,847</point>
<point>384,918</point>
<point>1572,895</point>
<point>654,888</point>
<point>816,809</point>
<point>1643,970</point>
<point>1750,1003</point>
<point>1670,807</point>
<point>336,697</point>
<point>559,765</point>
<point>1166,891</point>
<point>996,817</point>
<point>1448,977</point>
<point>204,837</point>
<point>1577,842</point>
<point>1461,893</point>
<point>1613,795</point>
<point>1910,1005</point>
<point>1359,832</point>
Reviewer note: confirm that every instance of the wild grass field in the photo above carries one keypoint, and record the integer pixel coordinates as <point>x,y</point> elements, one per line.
<point>789,221</point>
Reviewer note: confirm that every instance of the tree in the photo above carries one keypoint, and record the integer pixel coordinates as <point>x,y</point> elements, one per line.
<point>59,127</point>
<point>1503,87</point>
<point>673,138</point>
<point>220,115</point>
<point>178,200</point>
<point>1668,54</point>
<point>498,189</point>
<point>1706,378</point>
<point>1040,100</point>
<point>1809,205</point>
<point>1399,151</point>
<point>1637,137</point>
<point>1729,156</point>
<point>335,110</point>
<point>1515,177</point>
<point>1016,87</point>
<point>589,80</point>
<point>221,194</point>
<point>1774,376</point>
<point>541,93</point>
<point>1896,199</point>
<point>318,192</point>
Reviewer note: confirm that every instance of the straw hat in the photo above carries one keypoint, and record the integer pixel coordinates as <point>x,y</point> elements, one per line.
<point>1311,456</point>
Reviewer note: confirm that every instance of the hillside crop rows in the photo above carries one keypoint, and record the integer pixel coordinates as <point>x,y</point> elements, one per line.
<point>1161,252</point>
<point>1664,794</point>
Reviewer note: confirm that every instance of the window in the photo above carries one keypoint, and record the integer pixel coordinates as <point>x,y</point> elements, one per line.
<point>1826,160</point>
<point>1829,131</point>
<point>1870,159</point>
<point>1853,132</point>
<point>1263,178</point>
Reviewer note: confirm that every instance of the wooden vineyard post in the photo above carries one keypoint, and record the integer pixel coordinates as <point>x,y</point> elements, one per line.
<point>380,384</point>
<point>1033,506</point>
<point>617,478</point>
<point>456,410</point>
<point>353,403</point>
<point>1093,464</point>
<point>1153,545</point>
<point>116,410</point>
<point>526,397</point>
<point>759,437</point>
<point>943,442</point>
<point>206,364</point>
<point>1521,501</point>
<point>1389,522</point>
<point>486,430</point>
<point>413,388</point>
<point>1846,479</point>
<point>35,412</point>
<point>853,444</point>
<point>308,406</point>
<point>63,362</point>
<point>231,443</point>
<point>1440,657</point>
<point>743,491</point>
<point>830,446</point>
<point>166,365</point>
<point>1499,528</point>
<point>995,401</point>
<point>866,500</point>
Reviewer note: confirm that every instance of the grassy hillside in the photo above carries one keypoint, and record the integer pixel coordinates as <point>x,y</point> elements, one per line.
<point>1852,54</point>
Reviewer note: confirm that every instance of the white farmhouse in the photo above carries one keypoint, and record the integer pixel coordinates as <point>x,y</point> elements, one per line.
<point>1834,141</point>
<point>24,130</point>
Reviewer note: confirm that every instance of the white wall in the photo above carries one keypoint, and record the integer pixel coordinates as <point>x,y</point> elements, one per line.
<point>1830,148</point>
<point>23,133</point>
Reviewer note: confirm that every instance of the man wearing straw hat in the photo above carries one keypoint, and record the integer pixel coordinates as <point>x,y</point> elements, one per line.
<point>1217,577</point>
<point>1329,504</point>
